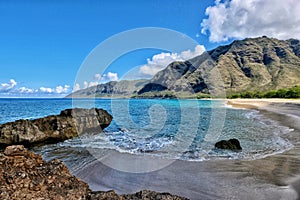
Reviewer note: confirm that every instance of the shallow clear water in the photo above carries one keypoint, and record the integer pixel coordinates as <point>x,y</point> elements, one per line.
<point>176,129</point>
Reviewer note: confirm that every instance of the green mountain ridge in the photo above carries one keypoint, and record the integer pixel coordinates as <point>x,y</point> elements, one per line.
<point>253,64</point>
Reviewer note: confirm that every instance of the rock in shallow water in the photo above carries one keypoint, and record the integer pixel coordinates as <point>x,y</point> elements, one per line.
<point>232,144</point>
<point>54,128</point>
<point>25,175</point>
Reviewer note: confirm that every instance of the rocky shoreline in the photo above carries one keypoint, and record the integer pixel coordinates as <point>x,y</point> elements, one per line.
<point>25,175</point>
<point>54,128</point>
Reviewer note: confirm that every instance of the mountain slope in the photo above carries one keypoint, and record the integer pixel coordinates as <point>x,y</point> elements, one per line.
<point>124,88</point>
<point>252,64</point>
<point>257,64</point>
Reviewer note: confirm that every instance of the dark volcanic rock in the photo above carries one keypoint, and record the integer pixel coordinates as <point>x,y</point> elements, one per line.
<point>25,175</point>
<point>232,144</point>
<point>68,124</point>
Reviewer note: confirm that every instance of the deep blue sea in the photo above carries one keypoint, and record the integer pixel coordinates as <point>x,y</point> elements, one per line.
<point>172,129</point>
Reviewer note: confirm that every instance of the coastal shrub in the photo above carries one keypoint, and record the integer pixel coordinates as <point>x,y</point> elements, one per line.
<point>293,92</point>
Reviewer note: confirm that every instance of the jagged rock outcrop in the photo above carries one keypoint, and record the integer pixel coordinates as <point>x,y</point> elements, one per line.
<point>25,175</point>
<point>232,144</point>
<point>68,124</point>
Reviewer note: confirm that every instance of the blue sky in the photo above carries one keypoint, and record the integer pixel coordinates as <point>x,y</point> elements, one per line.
<point>43,43</point>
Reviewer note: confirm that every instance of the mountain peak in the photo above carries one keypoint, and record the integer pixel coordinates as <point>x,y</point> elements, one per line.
<point>256,64</point>
<point>251,64</point>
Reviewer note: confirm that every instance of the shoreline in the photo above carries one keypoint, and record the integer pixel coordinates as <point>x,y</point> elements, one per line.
<point>284,111</point>
<point>273,177</point>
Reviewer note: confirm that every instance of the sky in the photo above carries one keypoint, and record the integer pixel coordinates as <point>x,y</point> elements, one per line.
<point>43,44</point>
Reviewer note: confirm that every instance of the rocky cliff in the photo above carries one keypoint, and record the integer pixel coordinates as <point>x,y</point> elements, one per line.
<point>253,64</point>
<point>69,123</point>
<point>25,175</point>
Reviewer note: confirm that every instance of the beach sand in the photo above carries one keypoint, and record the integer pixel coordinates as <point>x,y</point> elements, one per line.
<point>273,177</point>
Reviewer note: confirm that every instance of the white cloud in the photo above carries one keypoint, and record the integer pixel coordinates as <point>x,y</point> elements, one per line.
<point>11,89</point>
<point>93,83</point>
<point>62,90</point>
<point>112,76</point>
<point>76,87</point>
<point>85,84</point>
<point>46,90</point>
<point>98,79</point>
<point>252,18</point>
<point>57,90</point>
<point>6,87</point>
<point>25,90</point>
<point>199,49</point>
<point>160,61</point>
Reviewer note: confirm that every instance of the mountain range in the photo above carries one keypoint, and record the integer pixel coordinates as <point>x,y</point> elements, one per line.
<point>253,64</point>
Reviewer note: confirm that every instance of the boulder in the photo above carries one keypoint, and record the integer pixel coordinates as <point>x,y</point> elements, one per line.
<point>54,128</point>
<point>25,175</point>
<point>232,144</point>
<point>16,150</point>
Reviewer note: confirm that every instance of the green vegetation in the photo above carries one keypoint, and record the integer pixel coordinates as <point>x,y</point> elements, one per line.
<point>289,93</point>
<point>161,95</point>
<point>167,94</point>
<point>203,96</point>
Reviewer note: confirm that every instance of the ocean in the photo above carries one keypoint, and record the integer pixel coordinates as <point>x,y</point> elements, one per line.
<point>162,128</point>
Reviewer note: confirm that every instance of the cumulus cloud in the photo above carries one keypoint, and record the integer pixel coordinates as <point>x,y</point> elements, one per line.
<point>11,89</point>
<point>93,83</point>
<point>85,84</point>
<point>57,90</point>
<point>252,18</point>
<point>76,87</point>
<point>6,87</point>
<point>25,90</point>
<point>160,61</point>
<point>62,89</point>
<point>97,79</point>
<point>110,76</point>
<point>46,90</point>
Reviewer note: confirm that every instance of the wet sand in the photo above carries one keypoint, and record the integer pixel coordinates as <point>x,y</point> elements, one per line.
<point>273,177</point>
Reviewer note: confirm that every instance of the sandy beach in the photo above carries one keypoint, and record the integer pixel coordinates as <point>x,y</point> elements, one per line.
<point>285,108</point>
<point>273,177</point>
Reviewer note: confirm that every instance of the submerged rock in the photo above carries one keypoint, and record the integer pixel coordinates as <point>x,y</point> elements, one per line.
<point>25,175</point>
<point>232,144</point>
<point>54,128</point>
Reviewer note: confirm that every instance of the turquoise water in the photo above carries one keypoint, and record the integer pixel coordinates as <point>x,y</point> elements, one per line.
<point>175,129</point>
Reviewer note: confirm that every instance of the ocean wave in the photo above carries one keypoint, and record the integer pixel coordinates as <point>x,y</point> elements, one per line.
<point>260,136</point>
